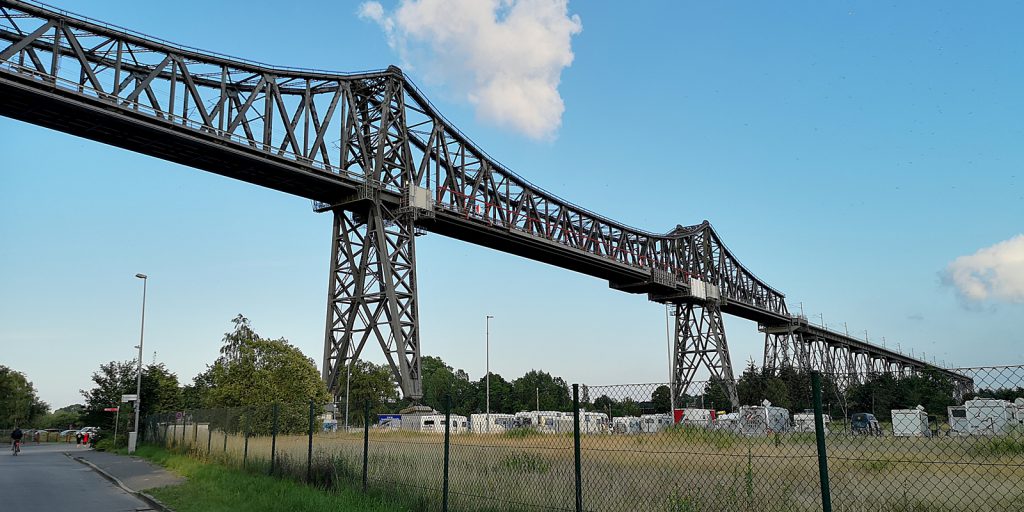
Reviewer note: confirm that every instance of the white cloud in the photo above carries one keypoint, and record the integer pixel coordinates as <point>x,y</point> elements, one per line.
<point>993,273</point>
<point>503,56</point>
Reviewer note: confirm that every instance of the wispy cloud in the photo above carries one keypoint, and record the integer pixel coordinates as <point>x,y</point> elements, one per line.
<point>992,274</point>
<point>505,57</point>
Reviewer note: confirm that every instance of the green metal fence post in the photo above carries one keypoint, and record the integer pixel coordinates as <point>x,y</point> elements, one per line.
<point>576,445</point>
<point>447,443</point>
<point>224,428</point>
<point>248,426</point>
<point>819,433</point>
<point>309,452</point>
<point>273,441</point>
<point>366,441</point>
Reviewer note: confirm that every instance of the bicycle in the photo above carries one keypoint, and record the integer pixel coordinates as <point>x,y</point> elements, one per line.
<point>16,447</point>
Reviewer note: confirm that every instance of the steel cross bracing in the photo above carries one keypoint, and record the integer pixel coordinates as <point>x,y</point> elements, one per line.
<point>367,146</point>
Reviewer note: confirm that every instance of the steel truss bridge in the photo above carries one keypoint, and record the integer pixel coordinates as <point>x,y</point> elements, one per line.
<point>371,149</point>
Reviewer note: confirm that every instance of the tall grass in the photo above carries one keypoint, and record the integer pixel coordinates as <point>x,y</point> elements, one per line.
<point>678,469</point>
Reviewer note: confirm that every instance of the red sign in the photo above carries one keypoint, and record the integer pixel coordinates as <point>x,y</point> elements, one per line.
<point>110,409</point>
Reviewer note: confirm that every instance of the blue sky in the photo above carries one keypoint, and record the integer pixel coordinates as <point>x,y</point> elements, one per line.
<point>846,153</point>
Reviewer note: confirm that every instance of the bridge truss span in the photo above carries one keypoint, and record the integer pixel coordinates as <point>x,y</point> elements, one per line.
<point>371,149</point>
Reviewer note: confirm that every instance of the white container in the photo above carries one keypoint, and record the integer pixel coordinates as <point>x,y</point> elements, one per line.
<point>910,422</point>
<point>958,423</point>
<point>804,422</point>
<point>626,425</point>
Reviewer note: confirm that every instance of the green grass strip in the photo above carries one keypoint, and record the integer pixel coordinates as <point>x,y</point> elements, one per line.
<point>213,487</point>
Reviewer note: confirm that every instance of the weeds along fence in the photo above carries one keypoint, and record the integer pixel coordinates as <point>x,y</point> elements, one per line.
<point>802,442</point>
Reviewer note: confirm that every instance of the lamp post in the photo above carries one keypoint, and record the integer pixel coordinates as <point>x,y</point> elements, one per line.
<point>138,378</point>
<point>487,322</point>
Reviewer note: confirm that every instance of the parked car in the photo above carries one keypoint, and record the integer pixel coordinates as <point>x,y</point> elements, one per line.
<point>66,433</point>
<point>865,423</point>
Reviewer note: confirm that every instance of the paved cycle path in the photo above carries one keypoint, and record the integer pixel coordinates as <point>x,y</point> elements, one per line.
<point>41,478</point>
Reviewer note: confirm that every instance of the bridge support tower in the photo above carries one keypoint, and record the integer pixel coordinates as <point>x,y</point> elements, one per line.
<point>700,340</point>
<point>372,295</point>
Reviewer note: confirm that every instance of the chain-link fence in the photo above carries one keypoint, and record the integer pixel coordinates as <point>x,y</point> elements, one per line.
<point>950,440</point>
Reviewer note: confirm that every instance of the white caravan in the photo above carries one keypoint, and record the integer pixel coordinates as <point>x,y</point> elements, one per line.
<point>763,419</point>
<point>594,423</point>
<point>986,416</point>
<point>697,417</point>
<point>804,422</point>
<point>434,423</point>
<point>653,423</point>
<point>626,425</point>
<point>910,422</point>
<point>958,424</point>
<point>498,423</point>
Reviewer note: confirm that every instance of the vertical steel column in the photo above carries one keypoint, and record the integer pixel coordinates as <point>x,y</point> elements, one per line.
<point>372,294</point>
<point>700,340</point>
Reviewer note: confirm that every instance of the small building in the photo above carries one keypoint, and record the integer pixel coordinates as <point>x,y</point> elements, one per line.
<point>910,422</point>
<point>987,416</point>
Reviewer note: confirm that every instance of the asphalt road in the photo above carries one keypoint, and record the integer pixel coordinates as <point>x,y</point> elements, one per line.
<point>41,478</point>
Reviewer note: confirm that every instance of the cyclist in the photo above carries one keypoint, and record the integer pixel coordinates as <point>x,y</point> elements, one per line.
<point>16,440</point>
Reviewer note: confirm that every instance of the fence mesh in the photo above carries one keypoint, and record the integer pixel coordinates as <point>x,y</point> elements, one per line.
<point>931,441</point>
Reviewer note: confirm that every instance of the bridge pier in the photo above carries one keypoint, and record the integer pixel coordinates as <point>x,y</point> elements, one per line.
<point>700,339</point>
<point>372,296</point>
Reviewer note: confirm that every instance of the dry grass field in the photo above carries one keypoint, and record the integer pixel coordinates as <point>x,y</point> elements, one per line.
<point>675,470</point>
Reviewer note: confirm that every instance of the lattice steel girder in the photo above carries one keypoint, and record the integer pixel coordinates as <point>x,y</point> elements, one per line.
<point>700,340</point>
<point>372,296</point>
<point>336,131</point>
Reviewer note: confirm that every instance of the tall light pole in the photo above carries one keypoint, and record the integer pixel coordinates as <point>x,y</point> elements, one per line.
<point>138,378</point>
<point>487,322</point>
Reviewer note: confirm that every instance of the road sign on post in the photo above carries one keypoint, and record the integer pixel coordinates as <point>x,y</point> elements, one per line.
<point>110,409</point>
<point>129,398</point>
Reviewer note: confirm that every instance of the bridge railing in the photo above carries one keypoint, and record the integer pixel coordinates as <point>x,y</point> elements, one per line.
<point>136,107</point>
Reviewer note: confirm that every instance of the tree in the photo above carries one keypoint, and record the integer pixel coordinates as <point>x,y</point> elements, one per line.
<point>661,398</point>
<point>63,418</point>
<point>368,382</point>
<point>501,395</point>
<point>440,380</point>
<point>253,372</point>
<point>553,392</point>
<point>113,379</point>
<point>19,404</point>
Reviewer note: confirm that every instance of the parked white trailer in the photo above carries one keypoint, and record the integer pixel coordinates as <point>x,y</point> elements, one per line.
<point>987,416</point>
<point>958,423</point>
<point>594,423</point>
<point>434,423</point>
<point>545,421</point>
<point>910,422</point>
<point>727,422</point>
<point>498,423</point>
<point>804,421</point>
<point>763,419</point>
<point>626,425</point>
<point>697,417</point>
<point>653,423</point>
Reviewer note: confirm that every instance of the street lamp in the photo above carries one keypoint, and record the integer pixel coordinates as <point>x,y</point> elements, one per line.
<point>487,322</point>
<point>138,379</point>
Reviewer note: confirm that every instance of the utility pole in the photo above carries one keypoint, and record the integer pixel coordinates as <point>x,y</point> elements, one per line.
<point>487,328</point>
<point>138,382</point>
